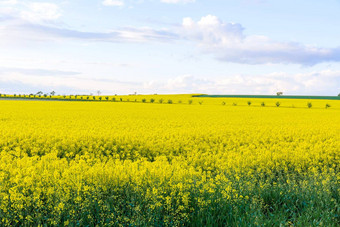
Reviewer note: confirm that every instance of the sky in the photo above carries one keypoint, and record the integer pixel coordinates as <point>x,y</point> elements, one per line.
<point>170,46</point>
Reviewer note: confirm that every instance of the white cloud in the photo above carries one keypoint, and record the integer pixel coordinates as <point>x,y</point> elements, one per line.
<point>33,12</point>
<point>113,3</point>
<point>9,2</point>
<point>122,3</point>
<point>31,80</point>
<point>41,11</point>
<point>177,1</point>
<point>227,42</point>
<point>325,82</point>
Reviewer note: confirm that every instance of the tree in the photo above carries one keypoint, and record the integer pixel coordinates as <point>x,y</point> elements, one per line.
<point>52,93</point>
<point>99,92</point>
<point>39,93</point>
<point>279,93</point>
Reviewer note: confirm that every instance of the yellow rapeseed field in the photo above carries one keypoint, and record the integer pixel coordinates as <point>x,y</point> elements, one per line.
<point>223,162</point>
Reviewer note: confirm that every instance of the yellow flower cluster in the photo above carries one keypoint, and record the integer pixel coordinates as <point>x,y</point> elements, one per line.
<point>123,163</point>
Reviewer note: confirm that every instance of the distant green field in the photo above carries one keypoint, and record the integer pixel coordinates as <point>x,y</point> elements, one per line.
<point>270,96</point>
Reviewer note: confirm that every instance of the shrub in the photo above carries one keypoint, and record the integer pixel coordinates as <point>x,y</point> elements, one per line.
<point>121,99</point>
<point>107,98</point>
<point>152,100</point>
<point>143,100</point>
<point>190,101</point>
<point>179,101</point>
<point>277,104</point>
<point>309,105</point>
<point>263,104</point>
<point>100,98</point>
<point>113,99</point>
<point>234,104</point>
<point>249,103</point>
<point>169,101</point>
<point>200,102</point>
<point>161,101</point>
<point>327,105</point>
<point>223,103</point>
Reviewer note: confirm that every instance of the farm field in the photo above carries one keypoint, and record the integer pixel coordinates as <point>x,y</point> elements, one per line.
<point>218,161</point>
<point>192,99</point>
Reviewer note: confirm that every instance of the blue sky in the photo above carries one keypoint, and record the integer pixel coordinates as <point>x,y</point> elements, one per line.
<point>170,46</point>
